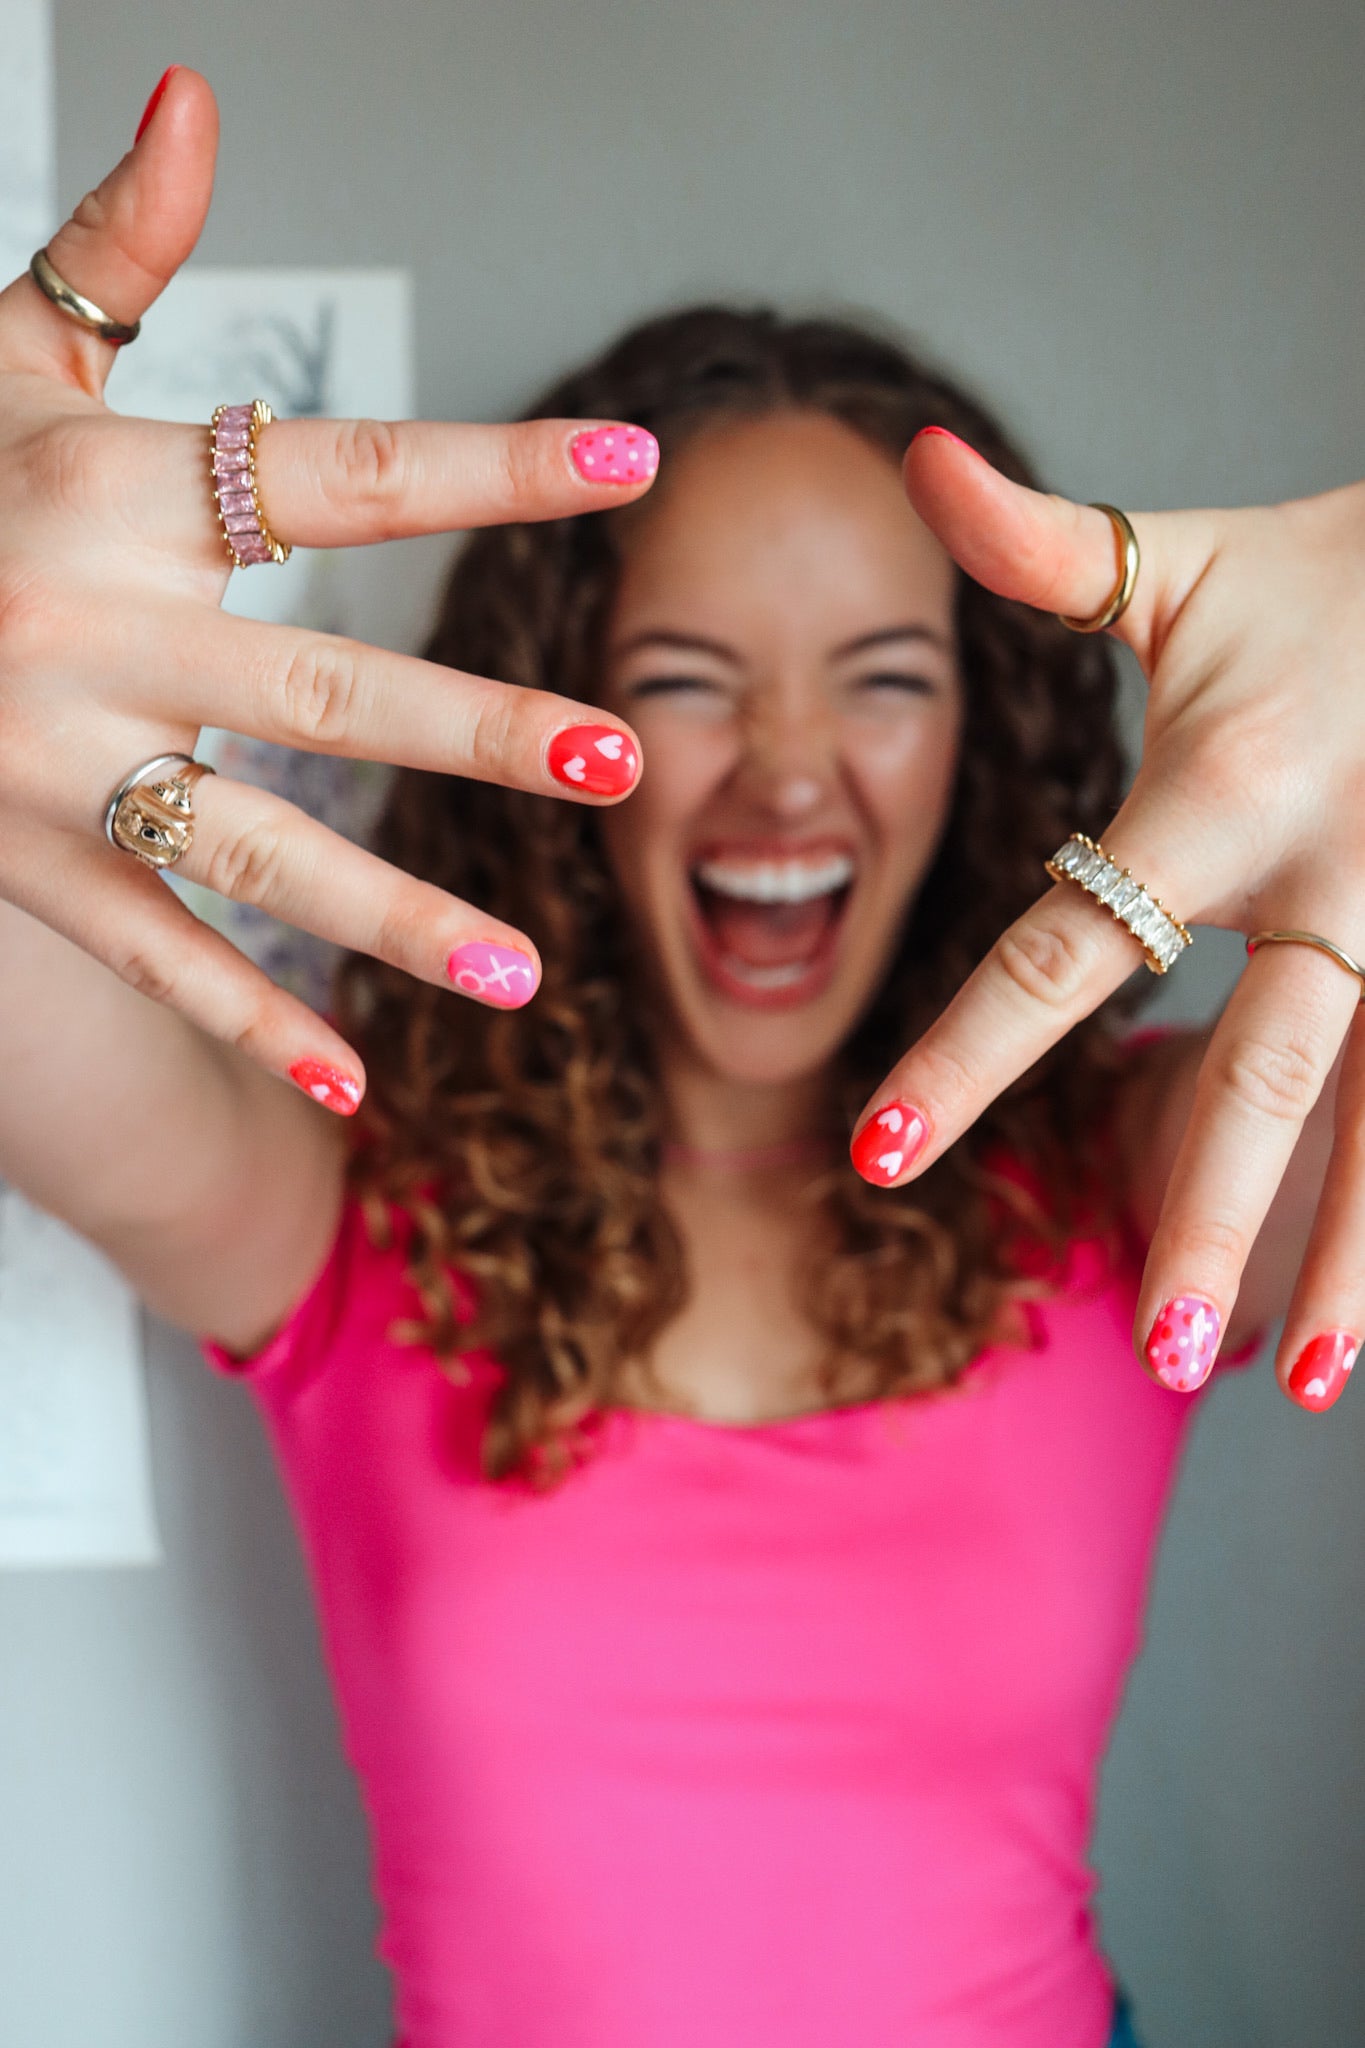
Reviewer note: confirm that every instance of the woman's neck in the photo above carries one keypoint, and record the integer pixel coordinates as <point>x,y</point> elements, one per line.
<point>713,1121</point>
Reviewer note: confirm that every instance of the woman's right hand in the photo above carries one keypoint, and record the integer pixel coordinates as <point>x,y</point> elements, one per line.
<point>114,649</point>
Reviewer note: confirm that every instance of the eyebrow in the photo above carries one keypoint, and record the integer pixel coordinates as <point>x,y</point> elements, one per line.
<point>698,643</point>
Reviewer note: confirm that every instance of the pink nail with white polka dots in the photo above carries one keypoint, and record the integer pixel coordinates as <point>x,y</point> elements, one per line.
<point>1183,1342</point>
<point>615,455</point>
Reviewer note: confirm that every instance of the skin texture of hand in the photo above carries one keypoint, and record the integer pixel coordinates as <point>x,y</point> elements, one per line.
<point>114,649</point>
<point>1245,813</point>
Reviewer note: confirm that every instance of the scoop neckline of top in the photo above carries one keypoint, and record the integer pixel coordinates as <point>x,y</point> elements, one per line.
<point>804,1416</point>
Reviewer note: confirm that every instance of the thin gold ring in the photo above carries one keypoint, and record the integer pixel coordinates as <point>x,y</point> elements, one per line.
<point>1336,953</point>
<point>1119,598</point>
<point>68,300</point>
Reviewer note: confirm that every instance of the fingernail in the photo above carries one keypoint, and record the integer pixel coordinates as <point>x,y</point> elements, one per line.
<point>943,434</point>
<point>1183,1342</point>
<point>1322,1369</point>
<point>594,757</point>
<point>327,1085</point>
<point>887,1143</point>
<point>493,974</point>
<point>615,455</point>
<point>153,103</point>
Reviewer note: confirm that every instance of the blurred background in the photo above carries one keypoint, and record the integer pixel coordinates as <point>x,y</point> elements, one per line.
<point>1138,229</point>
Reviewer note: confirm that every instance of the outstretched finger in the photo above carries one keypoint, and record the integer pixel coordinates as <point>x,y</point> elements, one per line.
<point>1052,967</point>
<point>1325,1325</point>
<point>124,242</point>
<point>1046,551</point>
<point>1264,1068</point>
<point>116,909</point>
<point>252,847</point>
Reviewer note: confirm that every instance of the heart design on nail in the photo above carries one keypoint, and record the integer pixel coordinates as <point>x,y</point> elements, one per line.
<point>1316,1388</point>
<point>891,1120</point>
<point>1348,1361</point>
<point>891,1162</point>
<point>610,746</point>
<point>575,770</point>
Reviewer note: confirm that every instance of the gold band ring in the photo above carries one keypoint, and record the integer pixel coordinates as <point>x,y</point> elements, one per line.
<point>1084,861</point>
<point>68,300</point>
<point>1119,598</point>
<point>1310,939</point>
<point>151,813</point>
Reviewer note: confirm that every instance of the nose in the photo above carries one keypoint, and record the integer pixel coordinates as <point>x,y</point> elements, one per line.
<point>790,759</point>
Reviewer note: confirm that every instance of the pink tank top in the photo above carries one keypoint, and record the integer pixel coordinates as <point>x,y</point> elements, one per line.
<point>768,1737</point>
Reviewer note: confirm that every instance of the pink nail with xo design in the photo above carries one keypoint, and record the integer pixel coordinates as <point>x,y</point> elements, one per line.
<point>1322,1368</point>
<point>493,974</point>
<point>1183,1342</point>
<point>887,1143</point>
<point>327,1085</point>
<point>595,758</point>
<point>615,455</point>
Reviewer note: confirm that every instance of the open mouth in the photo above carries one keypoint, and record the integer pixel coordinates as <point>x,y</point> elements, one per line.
<point>768,927</point>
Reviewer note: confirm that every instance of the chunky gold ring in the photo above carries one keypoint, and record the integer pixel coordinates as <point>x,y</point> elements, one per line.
<point>151,813</point>
<point>1122,592</point>
<point>1342,959</point>
<point>68,300</point>
<point>1162,937</point>
<point>233,434</point>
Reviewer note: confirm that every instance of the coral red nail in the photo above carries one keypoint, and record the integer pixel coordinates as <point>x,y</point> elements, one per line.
<point>596,758</point>
<point>615,455</point>
<point>1183,1342</point>
<point>327,1085</point>
<point>887,1143</point>
<point>1322,1369</point>
<point>499,975</point>
<point>153,103</point>
<point>943,434</point>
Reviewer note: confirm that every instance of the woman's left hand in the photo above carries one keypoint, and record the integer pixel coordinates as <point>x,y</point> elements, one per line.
<point>1248,811</point>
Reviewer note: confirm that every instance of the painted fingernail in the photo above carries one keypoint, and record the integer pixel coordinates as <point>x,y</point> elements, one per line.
<point>887,1143</point>
<point>493,974</point>
<point>1322,1369</point>
<point>327,1085</point>
<point>153,103</point>
<point>943,434</point>
<point>1183,1342</point>
<point>596,758</point>
<point>615,455</point>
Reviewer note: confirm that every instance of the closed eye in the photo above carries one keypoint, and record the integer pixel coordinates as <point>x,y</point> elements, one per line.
<point>903,680</point>
<point>669,686</point>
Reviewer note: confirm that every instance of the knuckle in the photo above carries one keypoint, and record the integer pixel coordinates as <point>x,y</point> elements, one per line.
<point>371,466</point>
<point>319,689</point>
<point>1046,961</point>
<point>1272,1078</point>
<point>246,865</point>
<point>1213,1246</point>
<point>498,734</point>
<point>143,971</point>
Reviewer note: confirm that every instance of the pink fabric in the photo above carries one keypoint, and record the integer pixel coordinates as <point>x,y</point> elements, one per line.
<point>774,1737</point>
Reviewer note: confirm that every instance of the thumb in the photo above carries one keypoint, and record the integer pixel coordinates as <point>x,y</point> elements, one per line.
<point>125,241</point>
<point>1047,552</point>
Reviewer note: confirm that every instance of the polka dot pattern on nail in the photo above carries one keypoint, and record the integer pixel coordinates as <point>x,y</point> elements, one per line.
<point>1184,1342</point>
<point>615,455</point>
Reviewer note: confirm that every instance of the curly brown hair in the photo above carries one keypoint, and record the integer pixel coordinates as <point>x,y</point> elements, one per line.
<point>525,1146</point>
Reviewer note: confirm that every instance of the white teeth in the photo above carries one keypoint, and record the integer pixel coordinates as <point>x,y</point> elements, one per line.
<point>766,977</point>
<point>777,881</point>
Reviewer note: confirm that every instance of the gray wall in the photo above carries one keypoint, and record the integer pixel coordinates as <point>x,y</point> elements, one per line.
<point>1138,226</point>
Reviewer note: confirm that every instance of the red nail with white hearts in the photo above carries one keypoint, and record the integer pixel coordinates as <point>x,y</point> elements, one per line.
<point>1183,1342</point>
<point>594,758</point>
<point>1322,1369</point>
<point>328,1085</point>
<point>887,1143</point>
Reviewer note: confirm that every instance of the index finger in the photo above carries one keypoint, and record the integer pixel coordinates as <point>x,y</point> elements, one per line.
<point>1051,968</point>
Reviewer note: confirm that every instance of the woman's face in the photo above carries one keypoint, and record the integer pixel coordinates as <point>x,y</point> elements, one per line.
<point>782,641</point>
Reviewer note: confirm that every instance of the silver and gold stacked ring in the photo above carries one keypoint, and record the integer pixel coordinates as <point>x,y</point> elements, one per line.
<point>151,813</point>
<point>1084,861</point>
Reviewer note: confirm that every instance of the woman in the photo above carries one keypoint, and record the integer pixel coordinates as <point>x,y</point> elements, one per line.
<point>728,1567</point>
